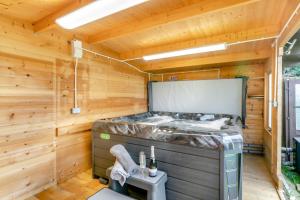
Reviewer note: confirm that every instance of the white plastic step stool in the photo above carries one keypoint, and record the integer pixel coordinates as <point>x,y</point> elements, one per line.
<point>108,194</point>
<point>155,186</point>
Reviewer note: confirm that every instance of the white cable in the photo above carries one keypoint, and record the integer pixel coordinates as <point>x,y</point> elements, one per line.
<point>253,40</point>
<point>289,20</point>
<point>130,59</point>
<point>75,83</point>
<point>275,72</point>
<point>115,59</point>
<point>200,70</point>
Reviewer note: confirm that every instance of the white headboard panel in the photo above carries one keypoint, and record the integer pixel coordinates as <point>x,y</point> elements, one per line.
<point>222,96</point>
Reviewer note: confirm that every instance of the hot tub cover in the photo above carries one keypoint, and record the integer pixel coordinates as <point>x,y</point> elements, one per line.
<point>213,131</point>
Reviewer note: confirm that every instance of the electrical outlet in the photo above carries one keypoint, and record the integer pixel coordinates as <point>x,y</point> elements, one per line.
<point>75,110</point>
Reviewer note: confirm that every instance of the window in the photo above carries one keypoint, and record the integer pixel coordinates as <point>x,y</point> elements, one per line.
<point>270,101</point>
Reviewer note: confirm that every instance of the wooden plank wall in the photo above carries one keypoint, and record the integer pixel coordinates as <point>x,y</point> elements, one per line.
<point>27,125</point>
<point>41,142</point>
<point>104,90</point>
<point>254,132</point>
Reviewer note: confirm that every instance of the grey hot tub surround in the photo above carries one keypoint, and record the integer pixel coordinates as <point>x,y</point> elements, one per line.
<point>201,162</point>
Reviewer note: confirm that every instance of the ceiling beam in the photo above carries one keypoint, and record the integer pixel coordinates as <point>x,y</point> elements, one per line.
<point>210,60</point>
<point>252,34</point>
<point>49,21</point>
<point>193,10</point>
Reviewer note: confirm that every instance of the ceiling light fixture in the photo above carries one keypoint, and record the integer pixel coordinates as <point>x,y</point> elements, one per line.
<point>204,49</point>
<point>94,11</point>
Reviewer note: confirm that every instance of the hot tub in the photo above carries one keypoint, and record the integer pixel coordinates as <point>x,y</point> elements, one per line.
<point>201,153</point>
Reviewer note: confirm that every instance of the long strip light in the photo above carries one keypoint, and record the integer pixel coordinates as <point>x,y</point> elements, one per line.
<point>94,11</point>
<point>204,49</point>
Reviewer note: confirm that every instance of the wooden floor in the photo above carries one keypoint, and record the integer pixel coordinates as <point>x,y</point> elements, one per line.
<point>77,188</point>
<point>257,184</point>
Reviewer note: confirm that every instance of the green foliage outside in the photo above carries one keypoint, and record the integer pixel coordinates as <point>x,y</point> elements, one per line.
<point>290,173</point>
<point>292,71</point>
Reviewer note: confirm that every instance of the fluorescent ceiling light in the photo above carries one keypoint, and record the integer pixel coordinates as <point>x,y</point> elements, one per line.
<point>94,11</point>
<point>204,49</point>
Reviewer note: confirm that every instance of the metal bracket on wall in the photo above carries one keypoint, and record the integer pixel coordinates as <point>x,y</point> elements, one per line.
<point>275,104</point>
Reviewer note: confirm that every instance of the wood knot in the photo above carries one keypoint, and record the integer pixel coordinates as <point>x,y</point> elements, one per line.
<point>12,115</point>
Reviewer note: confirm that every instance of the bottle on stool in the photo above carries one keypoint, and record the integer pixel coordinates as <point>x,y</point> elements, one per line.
<point>153,164</point>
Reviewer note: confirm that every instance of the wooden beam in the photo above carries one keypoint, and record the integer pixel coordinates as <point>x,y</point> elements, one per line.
<point>49,21</point>
<point>204,61</point>
<point>252,34</point>
<point>73,129</point>
<point>193,10</point>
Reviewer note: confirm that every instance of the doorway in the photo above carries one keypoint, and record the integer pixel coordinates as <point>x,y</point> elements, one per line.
<point>291,117</point>
<point>292,110</point>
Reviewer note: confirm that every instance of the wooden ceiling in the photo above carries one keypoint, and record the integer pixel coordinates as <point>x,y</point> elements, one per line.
<point>165,25</point>
<point>234,54</point>
<point>31,10</point>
